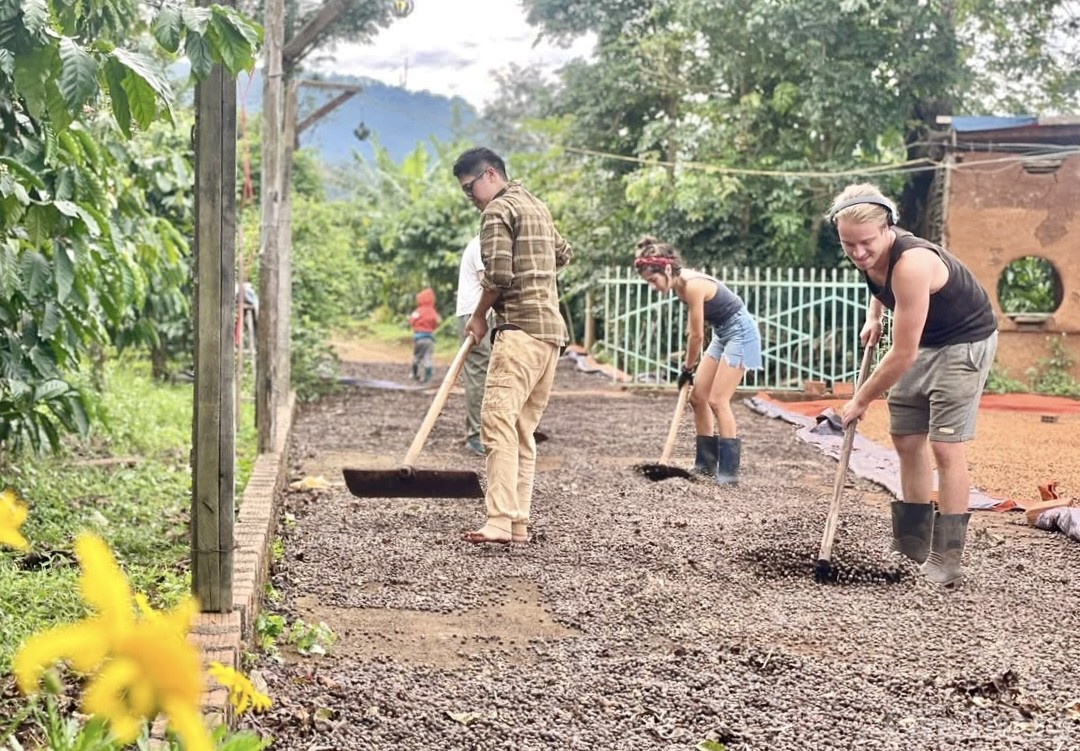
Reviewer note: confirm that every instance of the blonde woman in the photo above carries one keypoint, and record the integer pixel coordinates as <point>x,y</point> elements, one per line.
<point>735,347</point>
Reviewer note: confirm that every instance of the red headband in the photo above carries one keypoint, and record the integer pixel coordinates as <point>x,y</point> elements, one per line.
<point>652,261</point>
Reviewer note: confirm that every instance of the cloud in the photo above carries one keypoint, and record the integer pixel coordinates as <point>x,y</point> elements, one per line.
<point>452,47</point>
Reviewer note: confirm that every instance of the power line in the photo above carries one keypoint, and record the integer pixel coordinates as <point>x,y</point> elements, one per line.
<point>901,168</point>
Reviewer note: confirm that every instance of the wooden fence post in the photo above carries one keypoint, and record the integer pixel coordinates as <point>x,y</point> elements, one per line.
<point>214,420</point>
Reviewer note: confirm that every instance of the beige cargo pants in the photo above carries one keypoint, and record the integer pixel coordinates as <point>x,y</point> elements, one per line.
<point>519,379</point>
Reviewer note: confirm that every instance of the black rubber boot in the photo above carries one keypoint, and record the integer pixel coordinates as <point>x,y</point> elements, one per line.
<point>727,469</point>
<point>946,548</point>
<point>705,455</point>
<point>427,375</point>
<point>413,374</point>
<point>912,528</point>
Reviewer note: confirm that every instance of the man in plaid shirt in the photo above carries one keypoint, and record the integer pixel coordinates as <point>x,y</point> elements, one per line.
<point>521,252</point>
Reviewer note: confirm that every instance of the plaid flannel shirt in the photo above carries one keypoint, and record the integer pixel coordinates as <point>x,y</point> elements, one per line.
<point>522,251</point>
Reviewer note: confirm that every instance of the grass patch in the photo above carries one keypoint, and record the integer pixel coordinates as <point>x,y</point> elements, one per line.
<point>140,506</point>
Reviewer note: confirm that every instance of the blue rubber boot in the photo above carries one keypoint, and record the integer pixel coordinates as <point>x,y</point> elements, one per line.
<point>727,467</point>
<point>705,456</point>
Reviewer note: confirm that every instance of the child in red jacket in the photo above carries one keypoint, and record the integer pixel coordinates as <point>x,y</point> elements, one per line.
<point>423,321</point>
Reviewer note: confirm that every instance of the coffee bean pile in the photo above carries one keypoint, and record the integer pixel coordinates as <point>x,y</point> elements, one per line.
<point>794,544</point>
<point>649,615</point>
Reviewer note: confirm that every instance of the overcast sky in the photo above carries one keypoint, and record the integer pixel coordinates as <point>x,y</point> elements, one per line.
<point>452,48</point>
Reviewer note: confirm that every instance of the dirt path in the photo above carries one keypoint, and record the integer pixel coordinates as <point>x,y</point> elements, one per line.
<point>650,615</point>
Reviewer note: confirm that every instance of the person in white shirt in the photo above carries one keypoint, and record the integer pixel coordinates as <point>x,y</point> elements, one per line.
<point>475,367</point>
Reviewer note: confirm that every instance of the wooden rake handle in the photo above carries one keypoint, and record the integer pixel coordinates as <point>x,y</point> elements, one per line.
<point>829,534</point>
<point>440,400</point>
<point>669,444</point>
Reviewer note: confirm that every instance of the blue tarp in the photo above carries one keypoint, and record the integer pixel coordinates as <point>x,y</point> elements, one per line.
<point>971,123</point>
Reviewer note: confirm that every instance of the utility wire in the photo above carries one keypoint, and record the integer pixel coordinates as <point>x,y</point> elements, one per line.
<point>908,167</point>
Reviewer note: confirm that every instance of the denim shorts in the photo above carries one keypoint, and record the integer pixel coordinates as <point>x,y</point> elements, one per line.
<point>737,341</point>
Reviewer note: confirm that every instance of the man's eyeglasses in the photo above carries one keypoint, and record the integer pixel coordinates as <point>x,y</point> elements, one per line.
<point>467,187</point>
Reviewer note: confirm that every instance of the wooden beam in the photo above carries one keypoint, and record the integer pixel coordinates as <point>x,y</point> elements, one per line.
<point>315,83</point>
<point>308,37</point>
<point>213,424</point>
<point>267,379</point>
<point>288,138</point>
<point>323,111</point>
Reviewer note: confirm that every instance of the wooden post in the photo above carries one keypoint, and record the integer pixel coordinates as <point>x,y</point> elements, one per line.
<point>288,147</point>
<point>267,385</point>
<point>590,322</point>
<point>213,425</point>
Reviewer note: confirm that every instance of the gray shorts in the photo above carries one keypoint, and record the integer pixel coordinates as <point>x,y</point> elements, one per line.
<point>939,394</point>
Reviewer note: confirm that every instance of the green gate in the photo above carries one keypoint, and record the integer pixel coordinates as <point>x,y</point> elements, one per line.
<point>809,320</point>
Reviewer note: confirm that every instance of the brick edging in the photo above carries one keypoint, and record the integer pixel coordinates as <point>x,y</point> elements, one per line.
<point>219,636</point>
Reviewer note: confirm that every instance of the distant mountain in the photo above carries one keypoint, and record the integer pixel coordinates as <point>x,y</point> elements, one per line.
<point>398,118</point>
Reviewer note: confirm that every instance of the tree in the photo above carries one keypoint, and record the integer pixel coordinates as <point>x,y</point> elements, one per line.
<point>758,93</point>
<point>77,246</point>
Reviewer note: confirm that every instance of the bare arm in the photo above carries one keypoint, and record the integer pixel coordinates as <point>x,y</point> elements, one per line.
<point>871,330</point>
<point>477,326</point>
<point>694,297</point>
<point>912,278</point>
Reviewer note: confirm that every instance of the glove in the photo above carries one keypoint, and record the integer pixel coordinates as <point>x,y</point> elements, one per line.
<point>685,377</point>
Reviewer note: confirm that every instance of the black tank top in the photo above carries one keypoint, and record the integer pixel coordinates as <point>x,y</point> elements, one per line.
<point>959,312</point>
<point>722,305</point>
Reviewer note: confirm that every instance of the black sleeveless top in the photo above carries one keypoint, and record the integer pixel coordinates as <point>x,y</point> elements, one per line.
<point>959,312</point>
<point>722,305</point>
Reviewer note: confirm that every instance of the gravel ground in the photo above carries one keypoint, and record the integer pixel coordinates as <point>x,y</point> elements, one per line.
<point>650,615</point>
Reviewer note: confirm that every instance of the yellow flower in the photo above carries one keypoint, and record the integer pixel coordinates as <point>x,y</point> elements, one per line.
<point>242,694</point>
<point>138,667</point>
<point>12,515</point>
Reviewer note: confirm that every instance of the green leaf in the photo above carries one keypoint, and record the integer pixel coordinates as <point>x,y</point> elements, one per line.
<point>195,18</point>
<point>78,415</point>
<point>32,73</point>
<point>60,115</point>
<point>50,390</point>
<point>64,271</point>
<point>67,208</point>
<point>35,16</point>
<point>27,174</point>
<point>141,99</point>
<point>145,69</point>
<point>252,33</point>
<point>35,273</point>
<point>89,146</point>
<point>114,77</point>
<point>50,320</point>
<point>64,187</point>
<point>7,62</point>
<point>235,50</point>
<point>51,434</point>
<point>91,222</point>
<point>198,52</point>
<point>18,388</point>
<point>78,74</point>
<point>39,223</point>
<point>167,27</point>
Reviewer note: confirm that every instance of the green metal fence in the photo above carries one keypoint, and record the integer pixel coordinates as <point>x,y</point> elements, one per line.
<point>809,321</point>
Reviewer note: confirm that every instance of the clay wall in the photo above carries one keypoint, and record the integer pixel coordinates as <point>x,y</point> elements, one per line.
<point>997,212</point>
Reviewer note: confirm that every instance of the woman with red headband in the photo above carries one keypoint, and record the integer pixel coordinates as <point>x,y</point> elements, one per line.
<point>714,375</point>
